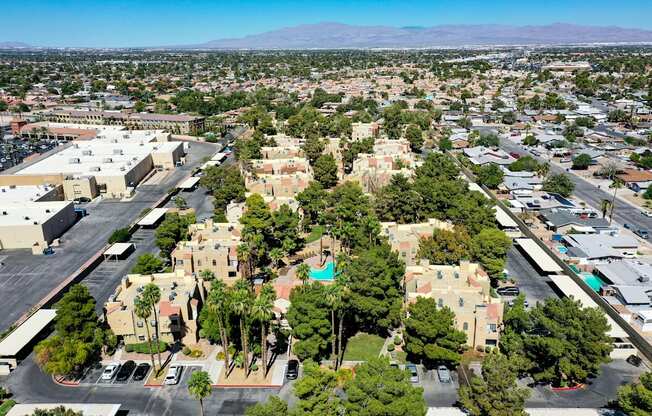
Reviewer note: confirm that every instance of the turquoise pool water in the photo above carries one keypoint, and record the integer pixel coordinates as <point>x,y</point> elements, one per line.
<point>592,280</point>
<point>562,249</point>
<point>327,273</point>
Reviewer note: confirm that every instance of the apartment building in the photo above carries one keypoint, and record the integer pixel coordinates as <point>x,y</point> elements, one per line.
<point>360,131</point>
<point>212,247</point>
<point>465,289</point>
<point>284,166</point>
<point>375,171</point>
<point>180,124</point>
<point>281,152</point>
<point>178,309</point>
<point>277,177</point>
<point>405,238</point>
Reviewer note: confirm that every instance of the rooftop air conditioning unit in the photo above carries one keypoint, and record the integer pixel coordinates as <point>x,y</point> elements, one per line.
<point>95,169</point>
<point>35,222</point>
<point>122,168</point>
<point>107,160</point>
<point>4,213</point>
<point>4,190</point>
<point>74,160</point>
<point>118,152</point>
<point>27,218</point>
<point>87,152</point>
<point>47,211</point>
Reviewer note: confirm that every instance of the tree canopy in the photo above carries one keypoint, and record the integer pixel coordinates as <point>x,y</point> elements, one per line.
<point>635,399</point>
<point>559,184</point>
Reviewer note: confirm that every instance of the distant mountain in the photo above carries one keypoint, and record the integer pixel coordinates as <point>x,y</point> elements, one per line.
<point>14,45</point>
<point>336,35</point>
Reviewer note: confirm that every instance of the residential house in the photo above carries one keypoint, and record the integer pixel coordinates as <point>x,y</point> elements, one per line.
<point>405,238</point>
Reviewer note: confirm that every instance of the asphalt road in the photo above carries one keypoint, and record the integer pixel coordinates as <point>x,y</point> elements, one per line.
<point>623,213</point>
<point>535,286</point>
<point>25,279</point>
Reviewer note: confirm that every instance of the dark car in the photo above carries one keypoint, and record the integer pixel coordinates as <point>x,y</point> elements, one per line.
<point>125,371</point>
<point>508,291</point>
<point>642,233</point>
<point>634,360</point>
<point>293,369</point>
<point>141,372</point>
<point>81,200</point>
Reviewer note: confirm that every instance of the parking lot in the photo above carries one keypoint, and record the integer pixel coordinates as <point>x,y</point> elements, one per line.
<point>535,286</point>
<point>25,279</point>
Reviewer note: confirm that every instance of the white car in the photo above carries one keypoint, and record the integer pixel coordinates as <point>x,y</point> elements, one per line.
<point>173,375</point>
<point>646,213</point>
<point>110,371</point>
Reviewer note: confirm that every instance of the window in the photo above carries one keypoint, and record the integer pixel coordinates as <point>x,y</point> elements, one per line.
<point>139,324</point>
<point>491,327</point>
<point>214,262</point>
<point>461,302</point>
<point>141,337</point>
<point>152,323</point>
<point>440,275</point>
<point>440,302</point>
<point>457,275</point>
<point>198,263</point>
<point>465,326</point>
<point>233,274</point>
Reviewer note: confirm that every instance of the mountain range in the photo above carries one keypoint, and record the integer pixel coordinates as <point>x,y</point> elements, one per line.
<point>14,45</point>
<point>339,36</point>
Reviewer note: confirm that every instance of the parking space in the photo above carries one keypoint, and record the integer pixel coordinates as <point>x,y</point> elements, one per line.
<point>535,286</point>
<point>435,392</point>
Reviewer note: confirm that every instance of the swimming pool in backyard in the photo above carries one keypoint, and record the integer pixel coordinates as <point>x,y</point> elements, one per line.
<point>592,280</point>
<point>325,274</point>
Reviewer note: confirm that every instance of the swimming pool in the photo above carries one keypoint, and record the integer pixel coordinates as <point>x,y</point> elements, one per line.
<point>327,273</point>
<point>562,249</point>
<point>592,280</point>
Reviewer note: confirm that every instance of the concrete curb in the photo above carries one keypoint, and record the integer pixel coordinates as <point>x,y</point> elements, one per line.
<point>60,381</point>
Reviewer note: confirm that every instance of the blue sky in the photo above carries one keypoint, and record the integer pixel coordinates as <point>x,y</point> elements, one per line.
<point>117,23</point>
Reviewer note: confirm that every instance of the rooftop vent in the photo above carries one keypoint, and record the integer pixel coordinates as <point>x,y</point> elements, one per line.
<point>118,152</point>
<point>26,218</point>
<point>87,152</point>
<point>644,278</point>
<point>47,211</point>
<point>107,160</point>
<point>74,160</point>
<point>4,213</point>
<point>95,169</point>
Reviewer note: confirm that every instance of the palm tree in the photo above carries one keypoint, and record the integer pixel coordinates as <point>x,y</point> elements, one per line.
<point>605,204</point>
<point>218,303</point>
<point>241,304</point>
<point>543,169</point>
<point>303,272</point>
<point>152,295</point>
<point>616,184</point>
<point>262,311</point>
<point>332,300</point>
<point>276,254</point>
<point>199,387</point>
<point>245,255</point>
<point>143,310</point>
<point>343,292</point>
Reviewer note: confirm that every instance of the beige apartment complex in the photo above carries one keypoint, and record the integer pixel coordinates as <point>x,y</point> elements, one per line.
<point>465,289</point>
<point>180,124</point>
<point>277,177</point>
<point>405,238</point>
<point>178,309</point>
<point>360,131</point>
<point>212,247</point>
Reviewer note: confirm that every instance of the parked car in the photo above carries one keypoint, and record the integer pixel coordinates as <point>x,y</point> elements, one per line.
<point>634,360</point>
<point>292,370</point>
<point>525,303</point>
<point>444,374</point>
<point>627,226</point>
<point>508,291</point>
<point>414,375</point>
<point>646,213</point>
<point>125,371</point>
<point>81,200</point>
<point>110,371</point>
<point>141,372</point>
<point>173,375</point>
<point>642,233</point>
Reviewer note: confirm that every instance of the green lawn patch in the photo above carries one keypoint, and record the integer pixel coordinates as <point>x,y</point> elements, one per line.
<point>401,357</point>
<point>6,406</point>
<point>363,347</point>
<point>143,347</point>
<point>316,232</point>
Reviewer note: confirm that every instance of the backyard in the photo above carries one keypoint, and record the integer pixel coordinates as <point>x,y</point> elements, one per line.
<point>363,347</point>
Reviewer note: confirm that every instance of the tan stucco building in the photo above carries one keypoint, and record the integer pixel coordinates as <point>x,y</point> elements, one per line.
<point>405,238</point>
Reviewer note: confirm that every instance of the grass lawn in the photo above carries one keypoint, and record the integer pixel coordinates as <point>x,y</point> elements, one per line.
<point>363,347</point>
<point>315,233</point>
<point>6,406</point>
<point>401,357</point>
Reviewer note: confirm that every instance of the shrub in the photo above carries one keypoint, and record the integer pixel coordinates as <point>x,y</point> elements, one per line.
<point>6,406</point>
<point>186,351</point>
<point>121,235</point>
<point>397,340</point>
<point>220,356</point>
<point>390,347</point>
<point>254,367</point>
<point>143,347</point>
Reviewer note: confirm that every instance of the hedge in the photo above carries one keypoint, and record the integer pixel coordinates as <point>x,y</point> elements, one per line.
<point>6,406</point>
<point>143,347</point>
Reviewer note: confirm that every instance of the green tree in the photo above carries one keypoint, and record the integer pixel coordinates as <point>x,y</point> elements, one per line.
<point>313,202</point>
<point>180,202</point>
<point>273,407</point>
<point>490,175</point>
<point>380,389</point>
<point>262,310</point>
<point>147,264</point>
<point>446,247</point>
<point>173,229</point>
<point>559,341</point>
<point>241,303</point>
<point>226,184</point>
<point>308,316</point>
<point>559,184</point>
<point>414,135</point>
<point>616,184</point>
<point>151,294</point>
<point>215,318</point>
<point>430,334</point>
<point>316,392</point>
<point>375,279</point>
<point>143,310</point>
<point>582,162</point>
<point>303,272</point>
<point>496,392</point>
<point>490,248</point>
<point>325,171</point>
<point>199,387</point>
<point>398,201</point>
<point>524,163</point>
<point>488,140</point>
<point>445,144</point>
<point>120,235</point>
<point>57,411</point>
<point>313,148</point>
<point>636,399</point>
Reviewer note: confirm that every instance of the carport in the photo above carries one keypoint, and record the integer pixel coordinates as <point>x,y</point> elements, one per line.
<point>153,217</point>
<point>541,259</point>
<point>189,184</point>
<point>14,343</point>
<point>118,251</point>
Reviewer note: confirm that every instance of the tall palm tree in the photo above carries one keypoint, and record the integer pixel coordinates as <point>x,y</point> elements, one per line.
<point>199,387</point>
<point>303,272</point>
<point>616,184</point>
<point>152,295</point>
<point>332,300</point>
<point>276,255</point>
<point>218,303</point>
<point>143,311</point>
<point>262,311</point>
<point>343,291</point>
<point>605,204</point>
<point>245,255</point>
<point>241,304</point>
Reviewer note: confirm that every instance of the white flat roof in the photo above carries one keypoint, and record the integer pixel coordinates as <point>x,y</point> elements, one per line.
<point>87,409</point>
<point>540,257</point>
<point>189,183</point>
<point>572,289</point>
<point>28,213</point>
<point>209,164</point>
<point>503,219</point>
<point>24,192</point>
<point>118,249</point>
<point>219,156</point>
<point>533,411</point>
<point>23,335</point>
<point>153,216</point>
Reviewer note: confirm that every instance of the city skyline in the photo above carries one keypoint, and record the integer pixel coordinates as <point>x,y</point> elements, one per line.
<point>72,23</point>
